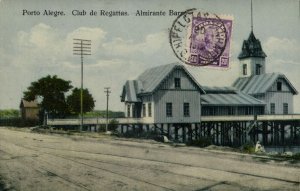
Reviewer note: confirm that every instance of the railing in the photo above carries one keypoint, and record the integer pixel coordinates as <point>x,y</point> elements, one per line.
<point>95,121</point>
<point>288,117</point>
<point>228,118</point>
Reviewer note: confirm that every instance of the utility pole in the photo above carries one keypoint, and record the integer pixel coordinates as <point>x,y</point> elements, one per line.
<point>107,91</point>
<point>81,47</point>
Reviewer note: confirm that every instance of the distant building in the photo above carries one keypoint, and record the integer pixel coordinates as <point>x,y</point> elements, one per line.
<point>29,109</point>
<point>274,89</point>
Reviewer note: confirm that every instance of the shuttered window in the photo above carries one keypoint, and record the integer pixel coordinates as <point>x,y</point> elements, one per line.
<point>186,109</point>
<point>133,111</point>
<point>279,86</point>
<point>258,69</point>
<point>272,108</point>
<point>177,83</point>
<point>244,69</point>
<point>285,108</point>
<point>128,110</point>
<point>169,109</point>
<point>144,110</point>
<point>149,110</point>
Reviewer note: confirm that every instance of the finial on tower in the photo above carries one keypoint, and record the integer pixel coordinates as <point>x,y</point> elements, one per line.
<point>251,17</point>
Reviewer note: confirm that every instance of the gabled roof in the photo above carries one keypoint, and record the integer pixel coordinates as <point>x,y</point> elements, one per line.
<point>252,48</point>
<point>153,77</point>
<point>260,84</point>
<point>230,99</point>
<point>150,80</point>
<point>28,104</point>
<point>130,90</point>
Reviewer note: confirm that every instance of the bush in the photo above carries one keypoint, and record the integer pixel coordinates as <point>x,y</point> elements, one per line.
<point>9,113</point>
<point>201,142</point>
<point>248,147</point>
<point>18,122</point>
<point>296,156</point>
<point>113,125</point>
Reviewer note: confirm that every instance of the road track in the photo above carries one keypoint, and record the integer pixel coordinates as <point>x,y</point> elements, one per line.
<point>110,165</point>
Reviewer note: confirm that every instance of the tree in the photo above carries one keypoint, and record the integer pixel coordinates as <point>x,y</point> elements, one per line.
<point>73,101</point>
<point>52,91</point>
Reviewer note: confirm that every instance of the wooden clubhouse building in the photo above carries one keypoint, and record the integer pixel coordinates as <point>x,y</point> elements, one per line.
<point>168,100</point>
<point>169,96</point>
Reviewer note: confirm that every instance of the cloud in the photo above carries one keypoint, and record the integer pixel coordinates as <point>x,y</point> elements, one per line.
<point>128,48</point>
<point>283,47</point>
<point>96,35</point>
<point>44,50</point>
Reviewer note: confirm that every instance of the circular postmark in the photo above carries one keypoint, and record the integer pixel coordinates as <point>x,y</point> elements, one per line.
<point>200,38</point>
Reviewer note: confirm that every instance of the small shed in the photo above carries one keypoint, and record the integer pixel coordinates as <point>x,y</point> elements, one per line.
<point>29,109</point>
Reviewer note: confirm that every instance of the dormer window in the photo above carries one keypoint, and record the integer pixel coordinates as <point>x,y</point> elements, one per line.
<point>244,69</point>
<point>177,83</point>
<point>279,86</point>
<point>258,69</point>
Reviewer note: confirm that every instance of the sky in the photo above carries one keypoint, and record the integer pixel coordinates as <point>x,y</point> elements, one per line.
<point>34,46</point>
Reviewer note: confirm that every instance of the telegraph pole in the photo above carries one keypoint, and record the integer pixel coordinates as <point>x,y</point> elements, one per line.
<point>107,91</point>
<point>81,47</point>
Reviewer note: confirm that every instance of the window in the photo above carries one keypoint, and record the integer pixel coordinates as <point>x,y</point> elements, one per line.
<point>279,86</point>
<point>133,111</point>
<point>144,110</point>
<point>169,109</point>
<point>244,69</point>
<point>272,109</point>
<point>128,110</point>
<point>149,110</point>
<point>177,83</point>
<point>186,109</point>
<point>285,108</point>
<point>258,69</point>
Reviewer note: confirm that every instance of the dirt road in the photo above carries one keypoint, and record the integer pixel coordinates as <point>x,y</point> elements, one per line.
<point>30,161</point>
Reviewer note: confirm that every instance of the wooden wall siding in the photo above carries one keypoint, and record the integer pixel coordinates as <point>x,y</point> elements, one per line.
<point>285,87</point>
<point>177,98</point>
<point>279,98</point>
<point>186,83</point>
<point>30,113</point>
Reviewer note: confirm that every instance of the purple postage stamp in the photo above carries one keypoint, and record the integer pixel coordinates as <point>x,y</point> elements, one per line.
<point>202,39</point>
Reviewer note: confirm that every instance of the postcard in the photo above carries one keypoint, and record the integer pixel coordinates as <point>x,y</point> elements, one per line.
<point>226,70</point>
